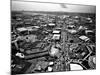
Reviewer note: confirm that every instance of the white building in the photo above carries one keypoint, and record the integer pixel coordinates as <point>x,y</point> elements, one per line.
<point>56,37</point>
<point>75,67</point>
<point>51,24</point>
<point>21,29</point>
<point>56,32</point>
<point>85,38</point>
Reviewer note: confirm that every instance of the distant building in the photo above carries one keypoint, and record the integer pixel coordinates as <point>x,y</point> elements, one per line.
<point>51,24</point>
<point>43,25</point>
<point>56,32</point>
<point>36,27</point>
<point>30,28</point>
<point>85,38</point>
<point>72,31</point>
<point>19,19</point>
<point>54,51</point>
<point>92,62</point>
<point>76,67</point>
<point>50,69</point>
<point>21,29</point>
<point>56,37</point>
<point>71,26</point>
<point>58,28</point>
<point>76,17</point>
<point>88,32</point>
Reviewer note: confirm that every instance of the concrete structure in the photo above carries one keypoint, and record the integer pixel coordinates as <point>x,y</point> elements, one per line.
<point>56,37</point>
<point>56,32</point>
<point>85,38</point>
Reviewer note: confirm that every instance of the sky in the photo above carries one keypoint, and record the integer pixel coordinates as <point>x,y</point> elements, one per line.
<point>32,6</point>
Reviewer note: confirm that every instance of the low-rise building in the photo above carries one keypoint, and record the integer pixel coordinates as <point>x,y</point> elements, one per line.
<point>56,32</point>
<point>56,37</point>
<point>22,29</point>
<point>51,24</point>
<point>85,38</point>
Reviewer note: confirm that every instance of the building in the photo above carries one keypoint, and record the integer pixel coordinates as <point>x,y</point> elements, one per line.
<point>21,29</point>
<point>56,32</point>
<point>85,38</point>
<point>56,37</point>
<point>54,51</point>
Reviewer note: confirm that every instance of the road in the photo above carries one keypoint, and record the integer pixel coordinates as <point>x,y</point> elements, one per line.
<point>65,48</point>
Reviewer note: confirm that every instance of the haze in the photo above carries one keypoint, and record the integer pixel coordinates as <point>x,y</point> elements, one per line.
<point>32,6</point>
